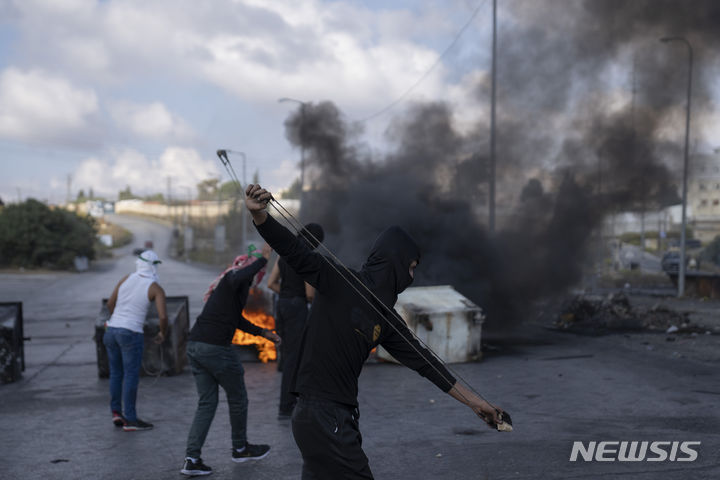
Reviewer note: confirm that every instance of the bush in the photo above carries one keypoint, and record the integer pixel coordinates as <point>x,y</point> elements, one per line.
<point>711,253</point>
<point>33,235</point>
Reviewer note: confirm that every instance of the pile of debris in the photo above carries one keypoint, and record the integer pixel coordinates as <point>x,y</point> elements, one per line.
<point>596,315</point>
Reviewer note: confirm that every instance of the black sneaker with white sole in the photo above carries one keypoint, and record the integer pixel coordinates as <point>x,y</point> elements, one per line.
<point>136,426</point>
<point>250,452</point>
<point>195,467</point>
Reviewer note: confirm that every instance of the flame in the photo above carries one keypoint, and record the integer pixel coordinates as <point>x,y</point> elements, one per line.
<point>266,348</point>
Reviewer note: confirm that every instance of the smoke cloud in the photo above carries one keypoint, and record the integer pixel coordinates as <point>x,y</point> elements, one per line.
<point>567,154</point>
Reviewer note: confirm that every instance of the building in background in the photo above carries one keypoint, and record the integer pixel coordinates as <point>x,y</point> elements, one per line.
<point>704,195</point>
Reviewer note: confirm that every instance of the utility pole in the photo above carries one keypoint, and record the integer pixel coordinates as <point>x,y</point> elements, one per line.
<point>681,272</point>
<point>643,193</point>
<point>491,201</point>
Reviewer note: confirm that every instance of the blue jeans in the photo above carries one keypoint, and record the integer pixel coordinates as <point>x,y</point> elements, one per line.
<point>214,365</point>
<point>125,352</point>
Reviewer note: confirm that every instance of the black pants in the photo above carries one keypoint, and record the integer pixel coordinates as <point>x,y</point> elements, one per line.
<point>328,435</point>
<point>292,315</point>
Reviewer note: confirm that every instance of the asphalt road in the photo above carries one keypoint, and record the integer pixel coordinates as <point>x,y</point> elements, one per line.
<point>559,388</point>
<point>647,262</point>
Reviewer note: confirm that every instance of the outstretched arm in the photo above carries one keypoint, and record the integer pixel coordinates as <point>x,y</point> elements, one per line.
<point>489,414</point>
<point>247,326</point>
<point>405,348</point>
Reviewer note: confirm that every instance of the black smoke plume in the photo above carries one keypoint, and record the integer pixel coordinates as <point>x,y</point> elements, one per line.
<point>566,158</point>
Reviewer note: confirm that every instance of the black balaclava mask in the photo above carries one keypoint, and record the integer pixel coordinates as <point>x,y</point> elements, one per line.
<point>387,269</point>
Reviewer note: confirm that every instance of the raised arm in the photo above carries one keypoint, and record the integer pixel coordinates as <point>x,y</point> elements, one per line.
<point>311,266</point>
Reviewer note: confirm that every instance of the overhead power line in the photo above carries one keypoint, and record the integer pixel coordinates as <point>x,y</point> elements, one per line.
<point>429,70</point>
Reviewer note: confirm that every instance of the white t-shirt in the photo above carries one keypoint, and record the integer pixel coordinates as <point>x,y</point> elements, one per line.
<point>132,303</point>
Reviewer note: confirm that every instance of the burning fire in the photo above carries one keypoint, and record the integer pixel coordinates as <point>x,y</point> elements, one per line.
<point>266,348</point>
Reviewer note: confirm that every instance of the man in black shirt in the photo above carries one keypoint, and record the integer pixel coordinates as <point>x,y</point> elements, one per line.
<point>295,294</point>
<point>215,362</point>
<point>342,330</point>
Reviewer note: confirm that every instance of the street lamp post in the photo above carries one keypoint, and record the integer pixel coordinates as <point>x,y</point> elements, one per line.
<point>681,272</point>
<point>187,229</point>
<point>302,143</point>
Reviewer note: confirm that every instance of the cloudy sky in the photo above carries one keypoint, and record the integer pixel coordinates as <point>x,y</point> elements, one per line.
<point>132,92</point>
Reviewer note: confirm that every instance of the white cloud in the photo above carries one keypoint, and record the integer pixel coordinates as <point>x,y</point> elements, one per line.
<point>354,72</point>
<point>144,175</point>
<point>257,50</point>
<point>282,177</point>
<point>152,121</point>
<point>222,64</point>
<point>37,105</point>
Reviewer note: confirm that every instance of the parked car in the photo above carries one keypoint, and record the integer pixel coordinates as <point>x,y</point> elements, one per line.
<point>670,262</point>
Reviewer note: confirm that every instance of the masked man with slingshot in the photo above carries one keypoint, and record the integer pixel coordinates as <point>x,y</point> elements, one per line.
<point>352,314</point>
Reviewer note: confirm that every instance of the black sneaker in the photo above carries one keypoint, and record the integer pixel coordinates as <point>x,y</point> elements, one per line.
<point>118,419</point>
<point>137,425</point>
<point>193,468</point>
<point>250,452</point>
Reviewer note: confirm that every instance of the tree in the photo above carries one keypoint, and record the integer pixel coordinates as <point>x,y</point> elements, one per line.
<point>33,235</point>
<point>207,189</point>
<point>126,194</point>
<point>155,197</point>
<point>293,191</point>
<point>230,190</point>
<point>80,196</point>
<point>711,253</point>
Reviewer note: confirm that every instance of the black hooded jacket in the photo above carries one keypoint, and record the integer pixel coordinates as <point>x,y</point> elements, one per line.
<point>343,328</point>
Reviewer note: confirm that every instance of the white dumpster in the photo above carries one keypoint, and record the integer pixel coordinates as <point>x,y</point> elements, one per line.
<point>444,320</point>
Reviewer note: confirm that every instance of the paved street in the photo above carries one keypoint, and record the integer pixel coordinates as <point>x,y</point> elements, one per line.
<point>559,388</point>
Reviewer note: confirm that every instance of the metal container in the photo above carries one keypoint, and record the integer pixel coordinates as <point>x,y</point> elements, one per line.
<point>444,320</point>
<point>12,347</point>
<point>168,358</point>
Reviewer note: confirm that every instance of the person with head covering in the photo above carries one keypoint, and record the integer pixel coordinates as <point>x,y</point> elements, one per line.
<point>215,362</point>
<point>124,339</point>
<point>341,331</point>
<point>292,310</point>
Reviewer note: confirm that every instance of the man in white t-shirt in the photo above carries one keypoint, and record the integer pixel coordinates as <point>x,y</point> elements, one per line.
<point>124,339</point>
